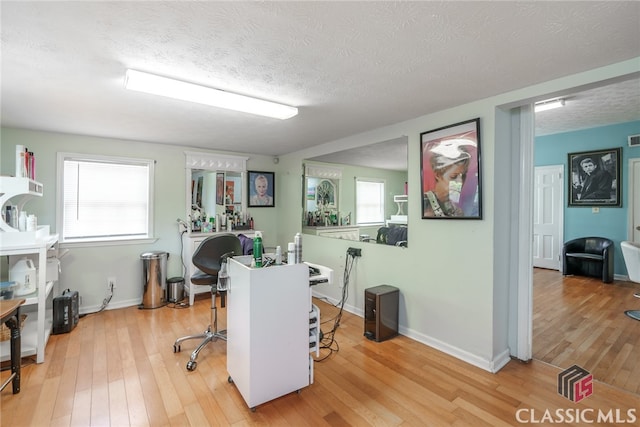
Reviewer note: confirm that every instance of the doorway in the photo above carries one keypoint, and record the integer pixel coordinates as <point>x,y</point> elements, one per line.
<point>548,216</point>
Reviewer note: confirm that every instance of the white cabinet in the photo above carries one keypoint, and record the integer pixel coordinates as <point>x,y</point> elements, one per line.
<point>190,242</point>
<point>39,305</point>
<point>268,326</point>
<point>338,232</point>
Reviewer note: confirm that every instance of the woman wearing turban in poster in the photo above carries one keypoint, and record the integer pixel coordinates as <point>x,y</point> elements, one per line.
<point>449,162</point>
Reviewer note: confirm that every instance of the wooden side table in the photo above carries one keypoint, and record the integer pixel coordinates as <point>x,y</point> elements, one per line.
<point>10,316</point>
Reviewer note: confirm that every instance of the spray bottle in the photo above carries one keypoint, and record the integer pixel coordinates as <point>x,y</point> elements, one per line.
<point>257,249</point>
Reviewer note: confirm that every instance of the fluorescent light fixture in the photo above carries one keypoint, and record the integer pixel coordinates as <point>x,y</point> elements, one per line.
<point>548,105</point>
<point>163,86</point>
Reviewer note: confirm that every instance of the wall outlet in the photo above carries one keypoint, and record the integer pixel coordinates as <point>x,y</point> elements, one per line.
<point>111,281</point>
<point>355,252</point>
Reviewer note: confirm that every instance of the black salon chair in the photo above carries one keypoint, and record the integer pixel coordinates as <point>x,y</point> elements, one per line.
<point>396,235</point>
<point>589,256</point>
<point>208,258</point>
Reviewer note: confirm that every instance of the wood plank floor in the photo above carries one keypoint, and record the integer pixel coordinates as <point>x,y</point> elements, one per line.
<point>118,368</point>
<point>581,320</point>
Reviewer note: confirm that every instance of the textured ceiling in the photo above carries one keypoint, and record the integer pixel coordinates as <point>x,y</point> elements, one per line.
<point>349,66</point>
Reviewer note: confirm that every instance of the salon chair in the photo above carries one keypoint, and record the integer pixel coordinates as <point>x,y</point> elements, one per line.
<point>208,259</point>
<point>589,256</point>
<point>396,235</point>
<point>631,256</point>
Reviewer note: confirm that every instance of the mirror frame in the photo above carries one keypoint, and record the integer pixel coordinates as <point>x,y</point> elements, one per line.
<point>216,163</point>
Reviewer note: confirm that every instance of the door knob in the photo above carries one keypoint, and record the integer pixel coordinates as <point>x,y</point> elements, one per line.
<point>638,228</point>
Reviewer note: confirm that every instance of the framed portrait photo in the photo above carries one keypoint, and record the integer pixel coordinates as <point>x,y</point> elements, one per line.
<point>262,189</point>
<point>450,172</point>
<point>594,178</point>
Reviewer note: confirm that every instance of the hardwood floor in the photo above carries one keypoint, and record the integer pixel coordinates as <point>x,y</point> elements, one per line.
<point>580,320</point>
<point>118,368</point>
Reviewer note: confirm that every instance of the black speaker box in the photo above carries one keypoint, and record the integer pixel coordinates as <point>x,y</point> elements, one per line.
<point>381,312</point>
<point>66,312</point>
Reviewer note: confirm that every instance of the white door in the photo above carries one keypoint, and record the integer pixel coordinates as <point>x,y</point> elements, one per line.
<point>548,216</point>
<point>634,199</point>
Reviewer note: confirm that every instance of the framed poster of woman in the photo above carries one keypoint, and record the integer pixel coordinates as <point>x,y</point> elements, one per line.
<point>450,172</point>
<point>261,189</point>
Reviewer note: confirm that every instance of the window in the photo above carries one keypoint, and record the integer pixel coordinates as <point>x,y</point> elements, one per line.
<point>369,201</point>
<point>104,198</point>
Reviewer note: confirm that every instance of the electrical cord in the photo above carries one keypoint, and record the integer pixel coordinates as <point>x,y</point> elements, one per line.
<point>107,300</point>
<point>105,303</point>
<point>184,267</point>
<point>177,305</point>
<point>327,339</point>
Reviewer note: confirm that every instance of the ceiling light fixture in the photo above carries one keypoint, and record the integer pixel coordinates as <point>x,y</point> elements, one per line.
<point>548,105</point>
<point>163,86</point>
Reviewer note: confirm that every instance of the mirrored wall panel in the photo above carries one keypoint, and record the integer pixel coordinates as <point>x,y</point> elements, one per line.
<point>359,194</point>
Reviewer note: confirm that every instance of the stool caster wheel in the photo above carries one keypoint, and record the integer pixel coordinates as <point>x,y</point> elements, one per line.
<point>191,365</point>
<point>176,348</point>
<point>230,380</point>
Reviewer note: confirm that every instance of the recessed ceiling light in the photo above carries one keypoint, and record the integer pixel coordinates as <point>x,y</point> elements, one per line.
<point>163,86</point>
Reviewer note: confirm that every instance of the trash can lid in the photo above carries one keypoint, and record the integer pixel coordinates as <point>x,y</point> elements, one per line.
<point>176,280</point>
<point>154,255</point>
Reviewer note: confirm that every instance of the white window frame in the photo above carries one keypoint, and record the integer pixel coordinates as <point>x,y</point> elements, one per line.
<point>102,241</point>
<point>382,200</point>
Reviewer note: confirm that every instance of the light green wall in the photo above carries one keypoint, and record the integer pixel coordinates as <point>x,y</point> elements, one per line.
<point>86,269</point>
<point>456,279</point>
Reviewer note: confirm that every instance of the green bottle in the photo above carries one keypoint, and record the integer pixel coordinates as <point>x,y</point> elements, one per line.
<point>257,248</point>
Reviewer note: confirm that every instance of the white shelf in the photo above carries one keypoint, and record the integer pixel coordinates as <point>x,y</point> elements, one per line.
<point>37,326</point>
<point>20,186</point>
<point>28,338</point>
<point>11,187</point>
<point>25,238</point>
<point>33,298</point>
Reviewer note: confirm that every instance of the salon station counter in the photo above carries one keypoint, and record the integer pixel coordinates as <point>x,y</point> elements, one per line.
<point>346,232</point>
<point>190,242</point>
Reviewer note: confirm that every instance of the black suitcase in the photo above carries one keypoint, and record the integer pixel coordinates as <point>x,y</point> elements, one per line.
<point>65,312</point>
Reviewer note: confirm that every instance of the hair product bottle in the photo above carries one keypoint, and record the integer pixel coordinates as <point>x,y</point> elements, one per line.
<point>257,249</point>
<point>297,240</point>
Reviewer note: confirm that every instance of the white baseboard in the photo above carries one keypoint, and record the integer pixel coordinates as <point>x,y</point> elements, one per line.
<point>111,306</point>
<point>621,277</point>
<point>492,366</point>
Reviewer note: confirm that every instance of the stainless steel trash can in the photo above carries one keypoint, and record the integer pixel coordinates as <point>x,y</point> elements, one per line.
<point>175,289</point>
<point>154,276</point>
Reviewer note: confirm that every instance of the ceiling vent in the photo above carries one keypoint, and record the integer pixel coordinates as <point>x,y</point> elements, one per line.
<point>634,140</point>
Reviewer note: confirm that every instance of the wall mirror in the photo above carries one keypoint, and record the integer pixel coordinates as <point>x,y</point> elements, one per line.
<point>216,188</point>
<point>329,198</point>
